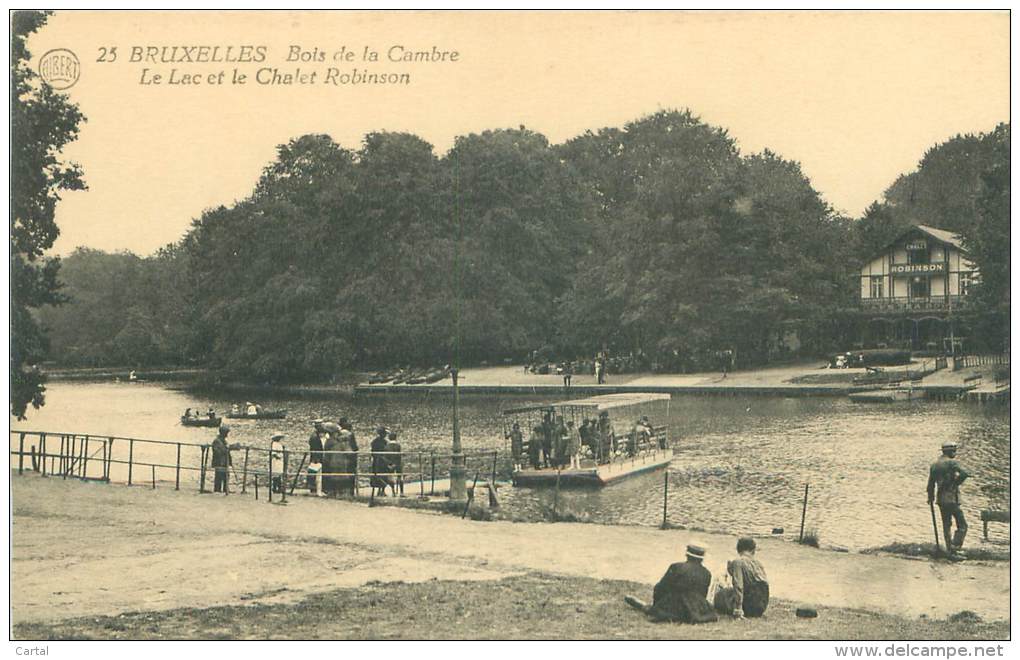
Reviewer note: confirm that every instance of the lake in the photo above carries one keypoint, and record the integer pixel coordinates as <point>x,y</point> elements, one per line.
<point>741,465</point>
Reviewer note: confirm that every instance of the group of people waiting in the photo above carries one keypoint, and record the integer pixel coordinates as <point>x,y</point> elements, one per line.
<point>555,443</point>
<point>333,458</point>
<point>682,595</point>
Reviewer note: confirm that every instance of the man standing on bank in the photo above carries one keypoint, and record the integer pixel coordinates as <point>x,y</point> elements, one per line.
<point>945,476</point>
<point>221,460</point>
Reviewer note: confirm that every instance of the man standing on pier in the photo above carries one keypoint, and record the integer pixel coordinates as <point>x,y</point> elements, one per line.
<point>221,459</point>
<point>947,474</point>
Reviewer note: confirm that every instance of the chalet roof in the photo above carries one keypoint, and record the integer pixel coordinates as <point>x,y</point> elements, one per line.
<point>602,402</point>
<point>942,235</point>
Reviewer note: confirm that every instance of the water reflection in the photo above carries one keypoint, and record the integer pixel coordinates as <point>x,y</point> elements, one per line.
<point>741,465</point>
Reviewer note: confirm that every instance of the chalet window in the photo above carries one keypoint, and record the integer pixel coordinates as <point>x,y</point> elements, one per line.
<point>876,286</point>
<point>965,282</point>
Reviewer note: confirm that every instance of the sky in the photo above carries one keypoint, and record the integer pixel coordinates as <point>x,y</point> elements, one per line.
<point>855,97</point>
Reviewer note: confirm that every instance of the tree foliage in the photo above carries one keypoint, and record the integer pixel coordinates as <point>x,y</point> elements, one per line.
<point>42,123</point>
<point>658,238</point>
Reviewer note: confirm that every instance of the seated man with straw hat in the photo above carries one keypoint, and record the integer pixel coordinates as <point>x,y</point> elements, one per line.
<point>682,593</point>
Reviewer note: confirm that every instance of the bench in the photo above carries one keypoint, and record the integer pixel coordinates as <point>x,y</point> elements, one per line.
<point>988,515</point>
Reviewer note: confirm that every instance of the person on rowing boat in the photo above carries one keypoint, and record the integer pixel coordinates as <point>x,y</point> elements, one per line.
<point>187,413</point>
<point>210,413</point>
<point>250,409</point>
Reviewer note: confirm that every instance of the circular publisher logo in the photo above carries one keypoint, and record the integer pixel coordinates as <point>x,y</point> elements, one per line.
<point>59,68</point>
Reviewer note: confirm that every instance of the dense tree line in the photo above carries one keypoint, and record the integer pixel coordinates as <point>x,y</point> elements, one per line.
<point>658,239</point>
<point>43,121</point>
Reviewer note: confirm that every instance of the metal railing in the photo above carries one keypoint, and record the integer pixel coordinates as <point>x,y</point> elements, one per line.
<point>909,304</point>
<point>119,459</point>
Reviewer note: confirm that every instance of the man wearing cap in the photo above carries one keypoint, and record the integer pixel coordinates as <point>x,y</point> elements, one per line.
<point>221,460</point>
<point>276,450</point>
<point>380,466</point>
<point>315,447</point>
<point>945,476</point>
<point>682,593</point>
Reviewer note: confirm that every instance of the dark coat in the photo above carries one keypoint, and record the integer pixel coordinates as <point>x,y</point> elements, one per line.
<point>315,448</point>
<point>682,593</point>
<point>220,453</point>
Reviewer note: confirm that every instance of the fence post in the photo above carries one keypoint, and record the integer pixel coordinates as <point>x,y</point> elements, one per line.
<point>131,459</point>
<point>177,473</point>
<point>109,458</point>
<point>495,454</point>
<point>106,465</point>
<point>665,496</point>
<point>85,463</point>
<point>256,488</point>
<point>153,477</point>
<point>421,477</point>
<point>21,454</point>
<point>357,470</point>
<point>42,452</point>
<point>35,460</point>
<point>244,472</point>
<point>270,474</point>
<point>62,462</point>
<point>283,478</point>
<point>201,484</point>
<point>803,513</point>
<point>433,490</point>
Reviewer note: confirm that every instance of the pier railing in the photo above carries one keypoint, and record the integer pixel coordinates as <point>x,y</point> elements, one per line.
<point>147,462</point>
<point>993,359</point>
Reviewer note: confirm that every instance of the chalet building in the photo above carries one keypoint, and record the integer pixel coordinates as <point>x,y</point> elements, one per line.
<point>914,293</point>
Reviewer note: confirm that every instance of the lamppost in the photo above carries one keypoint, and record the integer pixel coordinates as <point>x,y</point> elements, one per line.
<point>458,469</point>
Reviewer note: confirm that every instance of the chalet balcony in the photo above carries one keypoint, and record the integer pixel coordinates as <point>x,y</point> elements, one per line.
<point>908,305</point>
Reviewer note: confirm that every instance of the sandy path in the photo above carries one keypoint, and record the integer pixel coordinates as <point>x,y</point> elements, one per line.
<point>137,549</point>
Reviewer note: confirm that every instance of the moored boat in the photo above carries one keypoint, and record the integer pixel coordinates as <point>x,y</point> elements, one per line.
<point>889,394</point>
<point>609,456</point>
<point>265,414</point>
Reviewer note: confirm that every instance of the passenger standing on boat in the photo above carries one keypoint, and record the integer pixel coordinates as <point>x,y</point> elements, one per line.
<point>351,445</point>
<point>682,593</point>
<point>945,476</point>
<point>315,458</point>
<point>396,463</point>
<point>276,449</point>
<point>573,446</point>
<point>568,373</point>
<point>561,438</point>
<point>535,447</point>
<point>749,595</point>
<point>380,466</point>
<point>516,445</point>
<point>548,436</point>
<point>221,460</point>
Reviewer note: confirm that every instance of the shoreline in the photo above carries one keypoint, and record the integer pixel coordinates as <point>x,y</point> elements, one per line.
<point>220,551</point>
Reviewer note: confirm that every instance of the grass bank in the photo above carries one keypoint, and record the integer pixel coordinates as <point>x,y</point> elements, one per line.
<point>531,606</point>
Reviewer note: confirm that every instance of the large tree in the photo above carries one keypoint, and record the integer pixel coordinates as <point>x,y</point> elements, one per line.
<point>42,123</point>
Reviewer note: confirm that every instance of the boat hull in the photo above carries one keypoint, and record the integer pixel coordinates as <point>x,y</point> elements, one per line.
<point>203,422</point>
<point>594,476</point>
<point>886,395</point>
<point>269,414</point>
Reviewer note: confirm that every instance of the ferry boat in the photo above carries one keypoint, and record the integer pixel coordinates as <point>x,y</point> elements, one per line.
<point>618,448</point>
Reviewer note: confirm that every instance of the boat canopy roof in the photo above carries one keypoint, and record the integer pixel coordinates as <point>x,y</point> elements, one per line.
<point>599,403</point>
